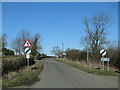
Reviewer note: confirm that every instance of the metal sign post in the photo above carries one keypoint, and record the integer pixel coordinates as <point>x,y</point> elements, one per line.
<point>105,60</point>
<point>103,64</point>
<point>28,61</point>
<point>108,65</point>
<point>28,51</point>
<point>28,56</point>
<point>103,53</point>
<point>102,60</point>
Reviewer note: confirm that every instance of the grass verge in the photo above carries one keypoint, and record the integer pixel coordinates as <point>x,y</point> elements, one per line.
<point>25,77</point>
<point>87,69</point>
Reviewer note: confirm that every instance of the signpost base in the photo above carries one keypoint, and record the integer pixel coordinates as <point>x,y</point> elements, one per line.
<point>28,56</point>
<point>105,60</point>
<point>28,62</point>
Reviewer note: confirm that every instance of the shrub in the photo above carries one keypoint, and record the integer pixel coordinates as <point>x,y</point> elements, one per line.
<point>74,54</point>
<point>6,51</point>
<point>14,63</point>
<point>25,77</point>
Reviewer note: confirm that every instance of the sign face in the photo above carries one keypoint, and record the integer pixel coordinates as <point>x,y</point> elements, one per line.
<point>64,53</point>
<point>27,50</point>
<point>27,55</point>
<point>27,44</point>
<point>105,59</point>
<point>103,52</point>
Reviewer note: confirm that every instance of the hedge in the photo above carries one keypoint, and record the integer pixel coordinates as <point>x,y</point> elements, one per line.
<point>14,63</point>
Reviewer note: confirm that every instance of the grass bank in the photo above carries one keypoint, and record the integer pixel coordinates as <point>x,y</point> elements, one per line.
<point>25,77</point>
<point>87,69</point>
<point>14,63</point>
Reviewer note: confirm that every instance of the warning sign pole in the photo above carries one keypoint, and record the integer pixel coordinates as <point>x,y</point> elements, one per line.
<point>28,61</point>
<point>103,64</point>
<point>27,50</point>
<point>28,56</point>
<point>108,65</point>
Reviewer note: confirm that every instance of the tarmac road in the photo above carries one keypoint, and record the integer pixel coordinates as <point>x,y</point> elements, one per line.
<point>59,75</point>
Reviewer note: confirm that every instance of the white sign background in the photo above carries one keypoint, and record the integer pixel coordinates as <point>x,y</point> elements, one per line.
<point>27,50</point>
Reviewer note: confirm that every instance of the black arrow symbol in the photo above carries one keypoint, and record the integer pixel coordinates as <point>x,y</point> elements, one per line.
<point>103,52</point>
<point>27,50</point>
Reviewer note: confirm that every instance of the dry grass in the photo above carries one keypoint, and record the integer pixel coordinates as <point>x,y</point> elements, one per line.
<point>8,77</point>
<point>25,76</point>
<point>91,64</point>
<point>87,67</point>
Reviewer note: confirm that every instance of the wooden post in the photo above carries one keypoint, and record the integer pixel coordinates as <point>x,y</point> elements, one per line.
<point>103,64</point>
<point>108,65</point>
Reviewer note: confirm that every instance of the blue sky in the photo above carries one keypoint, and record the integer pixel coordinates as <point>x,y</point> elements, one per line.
<point>56,22</point>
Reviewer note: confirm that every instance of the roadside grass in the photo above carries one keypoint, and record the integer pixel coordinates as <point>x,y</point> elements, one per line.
<point>87,69</point>
<point>24,77</point>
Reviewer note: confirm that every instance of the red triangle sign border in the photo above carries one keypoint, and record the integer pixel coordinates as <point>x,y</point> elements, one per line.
<point>27,42</point>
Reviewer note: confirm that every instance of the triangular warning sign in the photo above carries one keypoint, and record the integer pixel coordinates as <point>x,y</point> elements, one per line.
<point>27,44</point>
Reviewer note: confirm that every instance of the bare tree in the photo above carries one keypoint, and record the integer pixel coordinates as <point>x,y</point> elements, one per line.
<point>16,45</point>
<point>23,36</point>
<point>18,42</point>
<point>38,37</point>
<point>36,46</point>
<point>4,40</point>
<point>55,50</point>
<point>96,29</point>
<point>112,53</point>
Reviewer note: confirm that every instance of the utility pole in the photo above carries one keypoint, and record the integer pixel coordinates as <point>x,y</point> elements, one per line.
<point>87,47</point>
<point>86,22</point>
<point>62,47</point>
<point>87,27</point>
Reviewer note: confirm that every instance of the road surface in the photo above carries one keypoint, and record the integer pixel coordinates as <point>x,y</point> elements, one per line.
<point>59,75</point>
